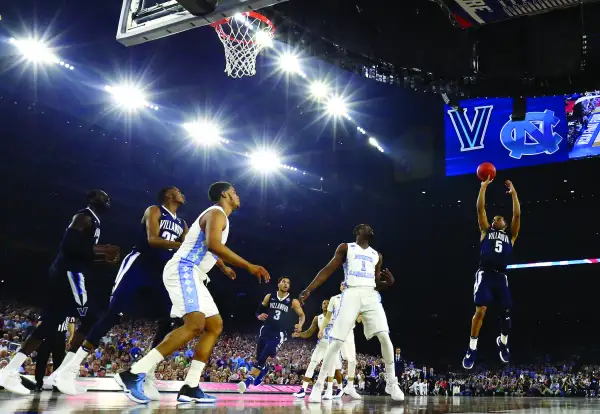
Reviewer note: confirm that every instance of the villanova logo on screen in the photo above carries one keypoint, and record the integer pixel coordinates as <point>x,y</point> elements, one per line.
<point>535,135</point>
<point>471,132</point>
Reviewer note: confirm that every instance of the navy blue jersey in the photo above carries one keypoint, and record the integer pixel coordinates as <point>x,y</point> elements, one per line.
<point>170,228</point>
<point>496,249</point>
<point>281,316</point>
<point>83,261</point>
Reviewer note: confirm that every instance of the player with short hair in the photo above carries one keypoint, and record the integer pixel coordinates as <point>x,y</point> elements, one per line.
<point>275,313</point>
<point>184,277</point>
<point>138,285</point>
<point>490,279</point>
<point>363,277</point>
<point>67,294</point>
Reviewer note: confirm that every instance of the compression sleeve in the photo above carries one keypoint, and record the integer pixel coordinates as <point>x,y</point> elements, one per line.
<point>76,244</point>
<point>261,309</point>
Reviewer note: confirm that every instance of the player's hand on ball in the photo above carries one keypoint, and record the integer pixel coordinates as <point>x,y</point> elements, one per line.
<point>303,296</point>
<point>262,316</point>
<point>229,272</point>
<point>112,254</point>
<point>486,182</point>
<point>509,185</point>
<point>260,273</point>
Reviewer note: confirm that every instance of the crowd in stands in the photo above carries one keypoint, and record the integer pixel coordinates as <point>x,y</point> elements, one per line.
<point>233,357</point>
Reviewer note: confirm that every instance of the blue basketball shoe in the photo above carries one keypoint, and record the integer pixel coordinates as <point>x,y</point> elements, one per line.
<point>133,386</point>
<point>503,351</point>
<point>189,394</point>
<point>469,359</point>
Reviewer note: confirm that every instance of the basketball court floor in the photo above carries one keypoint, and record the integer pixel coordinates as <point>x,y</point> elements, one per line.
<point>94,402</point>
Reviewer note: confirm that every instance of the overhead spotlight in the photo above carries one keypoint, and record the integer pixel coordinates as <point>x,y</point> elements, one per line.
<point>318,90</point>
<point>265,161</point>
<point>289,63</point>
<point>205,133</point>
<point>35,51</point>
<point>127,96</point>
<point>336,106</point>
<point>373,142</point>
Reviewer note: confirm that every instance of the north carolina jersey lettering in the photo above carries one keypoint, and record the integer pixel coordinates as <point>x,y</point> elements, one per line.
<point>170,228</point>
<point>496,249</point>
<point>320,320</point>
<point>80,263</point>
<point>280,316</point>
<point>360,265</point>
<point>194,248</point>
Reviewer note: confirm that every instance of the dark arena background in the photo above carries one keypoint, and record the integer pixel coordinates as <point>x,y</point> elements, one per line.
<point>359,112</point>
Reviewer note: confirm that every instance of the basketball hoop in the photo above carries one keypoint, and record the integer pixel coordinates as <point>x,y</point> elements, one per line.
<point>243,36</point>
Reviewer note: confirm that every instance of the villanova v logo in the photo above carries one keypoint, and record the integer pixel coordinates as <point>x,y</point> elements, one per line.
<point>471,133</point>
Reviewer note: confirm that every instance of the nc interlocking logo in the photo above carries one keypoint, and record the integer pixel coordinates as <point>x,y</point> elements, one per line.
<point>535,135</point>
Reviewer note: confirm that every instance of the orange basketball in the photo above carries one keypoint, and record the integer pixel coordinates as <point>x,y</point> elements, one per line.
<point>486,170</point>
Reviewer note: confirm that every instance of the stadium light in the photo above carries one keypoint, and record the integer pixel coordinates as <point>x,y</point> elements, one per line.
<point>205,133</point>
<point>337,107</point>
<point>289,63</point>
<point>318,90</point>
<point>265,161</point>
<point>128,96</point>
<point>34,50</point>
<point>373,142</point>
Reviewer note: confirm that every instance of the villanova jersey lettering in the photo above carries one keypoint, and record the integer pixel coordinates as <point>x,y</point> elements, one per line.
<point>471,132</point>
<point>496,249</point>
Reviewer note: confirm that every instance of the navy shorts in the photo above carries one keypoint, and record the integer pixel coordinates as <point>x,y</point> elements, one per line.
<point>268,346</point>
<point>139,289</point>
<point>490,287</point>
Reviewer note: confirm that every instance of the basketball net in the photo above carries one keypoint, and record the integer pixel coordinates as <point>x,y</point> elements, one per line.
<point>244,36</point>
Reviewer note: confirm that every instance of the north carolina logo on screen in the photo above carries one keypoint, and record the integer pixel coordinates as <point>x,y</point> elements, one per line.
<point>535,135</point>
<point>471,132</point>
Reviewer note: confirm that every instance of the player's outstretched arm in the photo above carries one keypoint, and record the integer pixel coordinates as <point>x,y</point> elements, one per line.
<point>300,312</point>
<point>515,224</point>
<point>152,221</point>
<point>309,332</point>
<point>215,223</point>
<point>326,272</point>
<point>482,219</point>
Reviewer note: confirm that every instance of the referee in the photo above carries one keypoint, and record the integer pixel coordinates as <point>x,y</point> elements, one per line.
<point>55,345</point>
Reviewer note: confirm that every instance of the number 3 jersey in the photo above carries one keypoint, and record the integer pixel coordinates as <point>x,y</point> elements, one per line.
<point>360,265</point>
<point>170,228</point>
<point>496,250</point>
<point>281,317</point>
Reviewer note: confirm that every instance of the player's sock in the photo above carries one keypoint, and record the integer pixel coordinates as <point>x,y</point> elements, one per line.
<point>68,358</point>
<point>305,385</point>
<point>351,369</point>
<point>473,343</point>
<point>504,339</point>
<point>260,376</point>
<point>16,362</point>
<point>144,365</point>
<point>193,376</point>
<point>330,386</point>
<point>80,356</point>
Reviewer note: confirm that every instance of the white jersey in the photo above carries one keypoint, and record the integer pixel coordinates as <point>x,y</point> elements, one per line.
<point>334,307</point>
<point>194,249</point>
<point>320,320</point>
<point>359,267</point>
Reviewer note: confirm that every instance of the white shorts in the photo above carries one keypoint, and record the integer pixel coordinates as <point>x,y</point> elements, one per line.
<point>188,293</point>
<point>359,300</point>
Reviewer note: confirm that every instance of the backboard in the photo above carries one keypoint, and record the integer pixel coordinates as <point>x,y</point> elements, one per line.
<point>140,24</point>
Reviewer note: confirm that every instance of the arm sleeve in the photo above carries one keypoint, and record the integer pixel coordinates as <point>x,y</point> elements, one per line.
<point>261,309</point>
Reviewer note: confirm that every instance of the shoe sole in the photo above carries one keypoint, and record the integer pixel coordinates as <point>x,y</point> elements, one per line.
<point>186,399</point>
<point>121,384</point>
<point>300,396</point>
